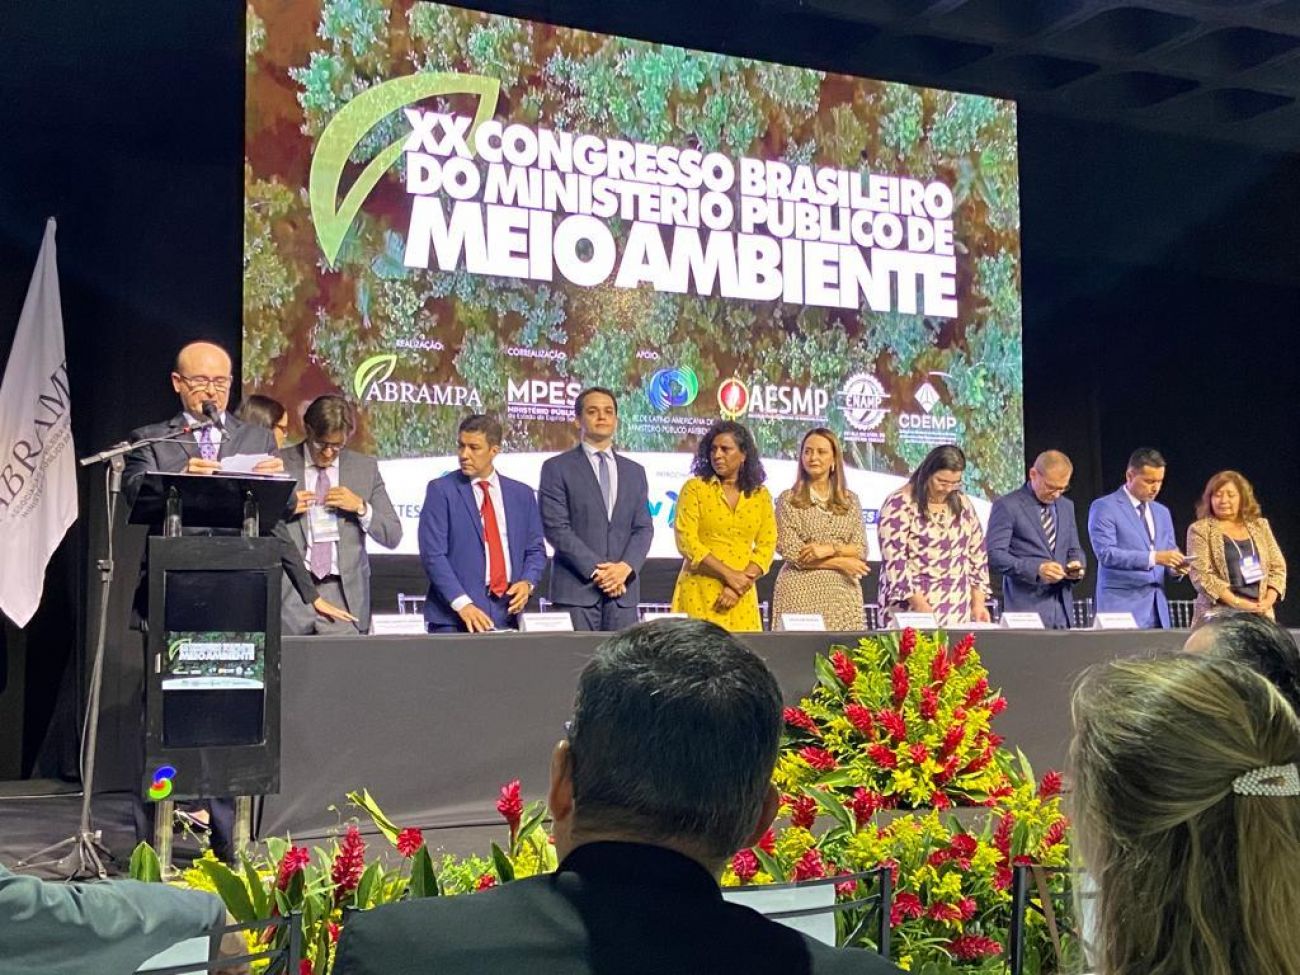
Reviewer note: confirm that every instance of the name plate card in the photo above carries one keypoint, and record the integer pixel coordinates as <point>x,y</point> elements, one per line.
<point>975,625</point>
<point>806,622</point>
<point>1114,621</point>
<point>652,615</point>
<point>389,624</point>
<point>1022,621</point>
<point>915,621</point>
<point>545,623</point>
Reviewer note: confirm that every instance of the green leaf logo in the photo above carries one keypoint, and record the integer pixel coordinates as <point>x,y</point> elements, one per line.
<point>350,126</point>
<point>374,370</point>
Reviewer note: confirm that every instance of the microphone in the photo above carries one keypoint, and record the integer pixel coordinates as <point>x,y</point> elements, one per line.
<point>212,413</point>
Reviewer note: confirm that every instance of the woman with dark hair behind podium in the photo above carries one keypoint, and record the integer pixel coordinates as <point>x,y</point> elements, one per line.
<point>263,411</point>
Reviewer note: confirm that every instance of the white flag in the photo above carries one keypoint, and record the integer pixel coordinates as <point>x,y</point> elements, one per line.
<point>38,479</point>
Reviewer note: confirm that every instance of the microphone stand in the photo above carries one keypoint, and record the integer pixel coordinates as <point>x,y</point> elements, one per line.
<point>88,852</point>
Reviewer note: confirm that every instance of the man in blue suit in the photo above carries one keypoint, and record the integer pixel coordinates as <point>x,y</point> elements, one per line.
<point>596,515</point>
<point>1034,543</point>
<point>480,538</point>
<point>1133,536</point>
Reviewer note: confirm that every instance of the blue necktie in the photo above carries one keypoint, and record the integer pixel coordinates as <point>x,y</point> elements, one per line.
<point>606,489</point>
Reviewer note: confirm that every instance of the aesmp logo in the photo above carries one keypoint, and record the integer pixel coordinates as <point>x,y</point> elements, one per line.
<point>674,387</point>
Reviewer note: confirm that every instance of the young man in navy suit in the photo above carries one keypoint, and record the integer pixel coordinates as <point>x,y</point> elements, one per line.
<point>1133,536</point>
<point>480,538</point>
<point>596,515</point>
<point>1033,542</point>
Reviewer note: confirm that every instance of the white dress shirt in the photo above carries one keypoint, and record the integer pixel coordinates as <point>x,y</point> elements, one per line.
<point>215,432</point>
<point>499,506</point>
<point>1145,515</point>
<point>593,456</point>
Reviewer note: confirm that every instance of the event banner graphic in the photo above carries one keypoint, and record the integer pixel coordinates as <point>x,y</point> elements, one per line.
<point>449,212</point>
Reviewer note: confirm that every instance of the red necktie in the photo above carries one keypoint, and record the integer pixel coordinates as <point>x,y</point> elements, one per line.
<point>491,531</point>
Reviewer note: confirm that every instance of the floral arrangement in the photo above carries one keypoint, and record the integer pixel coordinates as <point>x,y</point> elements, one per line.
<point>895,737</point>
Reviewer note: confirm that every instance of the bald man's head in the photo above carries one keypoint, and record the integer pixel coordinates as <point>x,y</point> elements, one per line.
<point>1049,478</point>
<point>202,374</point>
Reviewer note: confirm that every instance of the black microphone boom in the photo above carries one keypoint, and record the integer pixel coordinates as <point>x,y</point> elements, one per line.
<point>212,413</point>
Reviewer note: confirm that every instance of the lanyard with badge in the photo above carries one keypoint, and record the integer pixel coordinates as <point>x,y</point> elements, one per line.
<point>322,522</point>
<point>1252,570</point>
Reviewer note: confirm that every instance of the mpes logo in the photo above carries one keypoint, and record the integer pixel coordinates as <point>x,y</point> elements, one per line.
<point>674,387</point>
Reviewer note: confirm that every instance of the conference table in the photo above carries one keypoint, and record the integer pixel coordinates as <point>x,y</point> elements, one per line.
<point>433,726</point>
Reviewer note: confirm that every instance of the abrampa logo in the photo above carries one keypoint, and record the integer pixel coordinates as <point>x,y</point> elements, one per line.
<point>372,384</point>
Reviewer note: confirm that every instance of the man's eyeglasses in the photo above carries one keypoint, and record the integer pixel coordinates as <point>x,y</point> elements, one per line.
<point>218,383</point>
<point>321,447</point>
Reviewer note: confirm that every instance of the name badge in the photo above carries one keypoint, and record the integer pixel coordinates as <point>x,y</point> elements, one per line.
<point>390,624</point>
<point>1115,621</point>
<point>809,622</point>
<point>322,524</point>
<point>649,616</point>
<point>545,623</point>
<point>1251,569</point>
<point>915,621</point>
<point>1022,621</point>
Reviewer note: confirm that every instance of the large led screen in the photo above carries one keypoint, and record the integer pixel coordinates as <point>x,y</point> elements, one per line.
<point>449,212</point>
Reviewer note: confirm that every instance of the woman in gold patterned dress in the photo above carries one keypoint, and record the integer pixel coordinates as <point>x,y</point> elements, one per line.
<point>820,538</point>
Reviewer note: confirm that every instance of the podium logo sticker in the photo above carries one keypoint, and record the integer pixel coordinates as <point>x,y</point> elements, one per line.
<point>161,787</point>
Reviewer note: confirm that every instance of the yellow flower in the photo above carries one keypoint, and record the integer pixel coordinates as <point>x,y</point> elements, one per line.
<point>905,963</point>
<point>762,877</point>
<point>949,887</point>
<point>794,842</point>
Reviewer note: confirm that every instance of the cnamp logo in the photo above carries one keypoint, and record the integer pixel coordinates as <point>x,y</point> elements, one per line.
<point>161,787</point>
<point>668,388</point>
<point>861,398</point>
<point>733,398</point>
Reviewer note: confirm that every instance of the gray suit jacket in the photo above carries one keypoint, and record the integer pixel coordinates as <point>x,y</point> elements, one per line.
<point>360,473</point>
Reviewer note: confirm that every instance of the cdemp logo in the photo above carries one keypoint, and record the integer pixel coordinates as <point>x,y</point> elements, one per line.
<point>733,398</point>
<point>669,388</point>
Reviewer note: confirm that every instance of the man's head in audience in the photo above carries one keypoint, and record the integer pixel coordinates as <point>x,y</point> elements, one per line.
<point>674,736</point>
<point>1256,642</point>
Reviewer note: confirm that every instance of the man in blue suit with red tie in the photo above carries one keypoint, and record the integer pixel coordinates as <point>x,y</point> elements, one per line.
<point>480,538</point>
<point>1133,536</point>
<point>1033,542</point>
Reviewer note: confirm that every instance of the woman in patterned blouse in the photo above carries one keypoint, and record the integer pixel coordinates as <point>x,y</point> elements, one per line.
<point>725,531</point>
<point>820,538</point>
<point>932,545</point>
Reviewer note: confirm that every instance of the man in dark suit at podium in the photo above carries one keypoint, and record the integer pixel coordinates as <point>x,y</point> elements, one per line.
<point>595,514</point>
<point>665,773</point>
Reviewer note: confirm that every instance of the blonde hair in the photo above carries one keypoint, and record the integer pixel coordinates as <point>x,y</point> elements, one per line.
<point>801,495</point>
<point>1248,507</point>
<point>1192,879</point>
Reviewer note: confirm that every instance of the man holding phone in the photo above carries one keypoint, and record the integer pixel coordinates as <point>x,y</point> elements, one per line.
<point>1133,536</point>
<point>1033,542</point>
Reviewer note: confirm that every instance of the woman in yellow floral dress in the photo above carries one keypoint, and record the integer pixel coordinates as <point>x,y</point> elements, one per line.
<point>726,531</point>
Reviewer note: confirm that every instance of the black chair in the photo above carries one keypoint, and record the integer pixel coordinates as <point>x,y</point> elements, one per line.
<point>279,961</point>
<point>875,907</point>
<point>1027,895</point>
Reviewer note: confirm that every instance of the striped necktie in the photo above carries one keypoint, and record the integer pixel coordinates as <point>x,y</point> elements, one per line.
<point>1049,525</point>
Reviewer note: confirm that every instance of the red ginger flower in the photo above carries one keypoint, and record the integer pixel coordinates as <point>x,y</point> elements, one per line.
<point>901,684</point>
<point>964,846</point>
<point>844,668</point>
<point>486,882</point>
<point>334,929</point>
<point>511,805</point>
<point>883,756</point>
<point>972,947</point>
<point>944,912</point>
<point>906,643</point>
<point>929,703</point>
<point>1055,833</point>
<point>919,753</point>
<point>799,718</point>
<point>968,907</point>
<point>818,758</point>
<point>940,801</point>
<point>997,705</point>
<point>1002,835</point>
<point>952,739</point>
<point>293,861</point>
<point>948,771</point>
<point>860,718</point>
<point>1050,785</point>
<point>744,865</point>
<point>864,804</point>
<point>803,811</point>
<point>768,842</point>
<point>979,690</point>
<point>809,867</point>
<point>1001,878</point>
<point>963,648</point>
<point>893,722</point>
<point>846,888</point>
<point>304,967</point>
<point>905,904</point>
<point>977,764</point>
<point>349,863</point>
<point>409,841</point>
<point>940,667</point>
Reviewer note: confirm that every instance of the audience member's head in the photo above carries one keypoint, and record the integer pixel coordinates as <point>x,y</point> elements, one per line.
<point>1197,865</point>
<point>674,736</point>
<point>329,423</point>
<point>1255,641</point>
<point>263,411</point>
